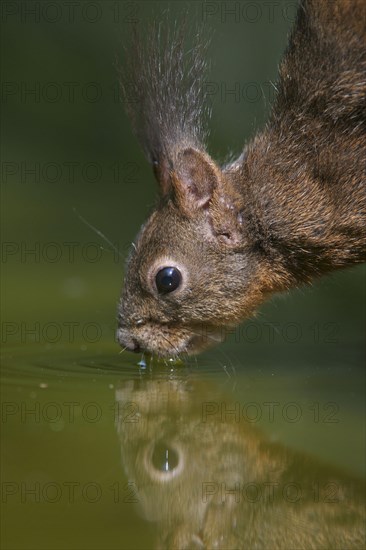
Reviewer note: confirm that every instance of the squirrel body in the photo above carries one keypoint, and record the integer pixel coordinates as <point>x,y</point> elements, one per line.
<point>291,208</point>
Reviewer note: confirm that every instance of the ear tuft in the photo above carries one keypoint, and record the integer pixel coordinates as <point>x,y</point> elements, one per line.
<point>162,175</point>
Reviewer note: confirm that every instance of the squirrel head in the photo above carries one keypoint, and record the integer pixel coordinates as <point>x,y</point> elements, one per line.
<point>193,270</point>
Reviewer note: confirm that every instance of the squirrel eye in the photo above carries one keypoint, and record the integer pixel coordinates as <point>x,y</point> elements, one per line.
<point>168,279</point>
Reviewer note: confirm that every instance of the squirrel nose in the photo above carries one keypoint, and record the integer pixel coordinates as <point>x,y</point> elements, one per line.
<point>135,347</point>
<point>127,342</point>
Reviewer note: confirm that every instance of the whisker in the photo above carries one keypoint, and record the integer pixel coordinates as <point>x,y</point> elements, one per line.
<point>201,334</point>
<point>226,371</point>
<point>224,354</point>
<point>99,233</point>
<point>170,344</point>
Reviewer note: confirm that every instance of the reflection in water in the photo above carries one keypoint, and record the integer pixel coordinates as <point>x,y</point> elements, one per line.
<point>210,482</point>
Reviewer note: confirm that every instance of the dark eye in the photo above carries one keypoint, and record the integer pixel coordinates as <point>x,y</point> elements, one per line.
<point>168,279</point>
<point>164,458</point>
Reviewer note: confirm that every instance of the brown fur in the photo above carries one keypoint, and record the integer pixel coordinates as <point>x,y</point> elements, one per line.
<point>291,208</point>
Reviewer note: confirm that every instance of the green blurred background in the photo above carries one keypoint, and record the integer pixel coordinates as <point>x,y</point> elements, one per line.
<point>68,150</point>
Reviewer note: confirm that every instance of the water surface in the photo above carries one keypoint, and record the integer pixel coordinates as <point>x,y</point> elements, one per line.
<point>103,452</point>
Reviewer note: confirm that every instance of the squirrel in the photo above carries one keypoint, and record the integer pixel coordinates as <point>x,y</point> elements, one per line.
<point>292,207</point>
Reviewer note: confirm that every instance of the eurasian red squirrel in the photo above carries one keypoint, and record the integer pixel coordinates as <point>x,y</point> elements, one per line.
<point>292,207</point>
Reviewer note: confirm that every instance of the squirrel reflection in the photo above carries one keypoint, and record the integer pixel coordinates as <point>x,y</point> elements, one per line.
<point>213,484</point>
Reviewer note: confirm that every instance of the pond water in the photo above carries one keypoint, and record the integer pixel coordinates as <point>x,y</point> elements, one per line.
<point>103,450</point>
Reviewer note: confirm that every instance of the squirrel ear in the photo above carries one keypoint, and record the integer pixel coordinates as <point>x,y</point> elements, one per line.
<point>194,179</point>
